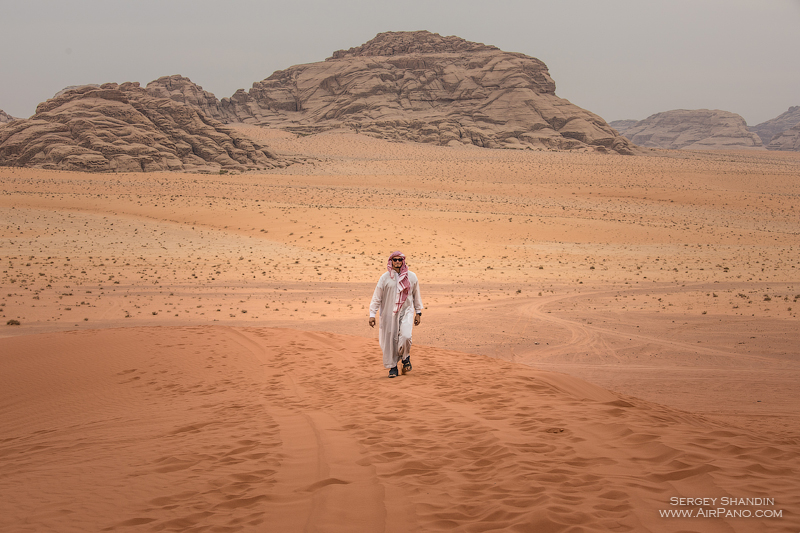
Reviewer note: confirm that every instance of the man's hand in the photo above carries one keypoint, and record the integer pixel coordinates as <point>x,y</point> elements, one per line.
<point>372,321</point>
<point>417,319</point>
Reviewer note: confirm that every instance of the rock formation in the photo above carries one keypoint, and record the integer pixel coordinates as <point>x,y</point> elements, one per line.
<point>73,87</point>
<point>416,86</point>
<point>788,140</point>
<point>769,129</point>
<point>123,128</point>
<point>623,125</point>
<point>698,129</point>
<point>423,87</point>
<point>399,43</point>
<point>183,90</point>
<point>5,117</point>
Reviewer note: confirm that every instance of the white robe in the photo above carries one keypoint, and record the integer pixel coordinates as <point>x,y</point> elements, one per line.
<point>395,329</point>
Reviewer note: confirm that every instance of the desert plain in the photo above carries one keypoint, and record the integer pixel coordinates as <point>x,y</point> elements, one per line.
<point>601,333</point>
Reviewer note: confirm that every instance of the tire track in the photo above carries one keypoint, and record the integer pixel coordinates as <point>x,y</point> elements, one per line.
<point>323,479</point>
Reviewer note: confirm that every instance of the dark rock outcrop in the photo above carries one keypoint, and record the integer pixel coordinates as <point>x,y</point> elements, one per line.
<point>697,129</point>
<point>423,87</point>
<point>770,128</point>
<point>123,128</point>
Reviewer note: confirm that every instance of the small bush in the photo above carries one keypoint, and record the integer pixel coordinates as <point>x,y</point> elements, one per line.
<point>12,322</point>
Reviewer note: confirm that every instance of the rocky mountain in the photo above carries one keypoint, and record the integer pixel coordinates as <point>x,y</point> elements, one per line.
<point>416,86</point>
<point>5,117</point>
<point>697,129</point>
<point>769,129</point>
<point>124,128</point>
<point>622,125</point>
<point>423,87</point>
<point>788,140</point>
<point>183,90</point>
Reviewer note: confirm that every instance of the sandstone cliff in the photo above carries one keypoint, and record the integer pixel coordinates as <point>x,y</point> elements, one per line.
<point>5,117</point>
<point>423,87</point>
<point>416,86</point>
<point>788,140</point>
<point>123,128</point>
<point>698,129</point>
<point>183,90</point>
<point>769,129</point>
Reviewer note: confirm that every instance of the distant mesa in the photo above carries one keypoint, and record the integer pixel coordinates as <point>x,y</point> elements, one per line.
<point>703,129</point>
<point>5,117</point>
<point>622,125</point>
<point>697,129</point>
<point>420,86</point>
<point>124,128</point>
<point>778,125</point>
<point>788,140</point>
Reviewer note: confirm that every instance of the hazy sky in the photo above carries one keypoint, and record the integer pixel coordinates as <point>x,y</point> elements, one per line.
<point>617,58</point>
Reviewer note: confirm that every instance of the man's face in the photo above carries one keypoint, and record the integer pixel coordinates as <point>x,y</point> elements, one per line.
<point>397,263</point>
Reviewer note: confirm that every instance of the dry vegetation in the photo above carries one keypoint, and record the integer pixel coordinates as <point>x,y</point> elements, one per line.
<point>652,275</point>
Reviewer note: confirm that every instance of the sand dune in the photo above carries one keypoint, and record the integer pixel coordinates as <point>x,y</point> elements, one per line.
<point>193,352</point>
<point>261,429</point>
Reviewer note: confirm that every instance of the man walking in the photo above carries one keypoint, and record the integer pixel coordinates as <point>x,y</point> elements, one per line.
<point>398,300</point>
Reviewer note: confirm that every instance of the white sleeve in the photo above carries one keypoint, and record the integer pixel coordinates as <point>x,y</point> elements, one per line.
<point>418,307</point>
<point>375,304</point>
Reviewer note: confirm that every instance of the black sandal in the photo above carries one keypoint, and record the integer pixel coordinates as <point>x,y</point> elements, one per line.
<point>393,372</point>
<point>407,364</point>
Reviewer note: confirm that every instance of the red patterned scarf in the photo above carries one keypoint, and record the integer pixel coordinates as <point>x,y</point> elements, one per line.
<point>403,285</point>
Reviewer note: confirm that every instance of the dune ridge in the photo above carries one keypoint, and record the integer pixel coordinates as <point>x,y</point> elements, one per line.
<point>147,387</point>
<point>246,428</point>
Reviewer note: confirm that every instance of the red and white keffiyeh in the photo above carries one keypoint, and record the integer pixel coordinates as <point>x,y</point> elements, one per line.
<point>403,285</point>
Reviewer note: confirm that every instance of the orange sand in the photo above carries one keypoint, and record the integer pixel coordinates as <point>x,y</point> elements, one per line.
<point>670,280</point>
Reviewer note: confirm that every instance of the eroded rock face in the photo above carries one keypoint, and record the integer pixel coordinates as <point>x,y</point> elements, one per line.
<point>395,43</point>
<point>769,129</point>
<point>183,90</point>
<point>697,129</point>
<point>5,117</point>
<point>73,87</point>
<point>623,125</point>
<point>423,87</point>
<point>788,140</point>
<point>123,128</point>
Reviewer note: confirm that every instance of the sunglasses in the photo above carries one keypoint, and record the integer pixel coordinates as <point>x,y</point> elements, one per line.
<point>397,259</point>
